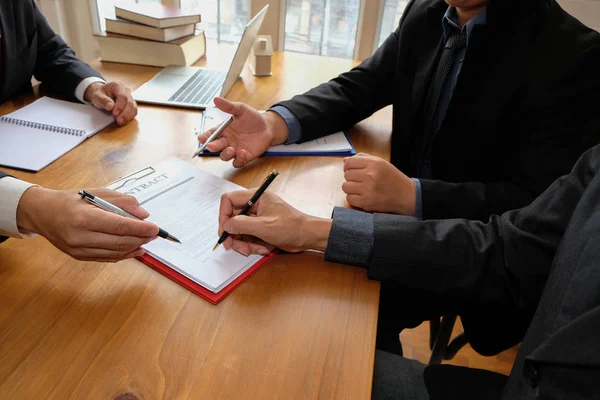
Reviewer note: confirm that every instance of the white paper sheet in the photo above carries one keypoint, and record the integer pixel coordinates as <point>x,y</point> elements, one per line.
<point>184,201</point>
<point>65,114</point>
<point>33,139</point>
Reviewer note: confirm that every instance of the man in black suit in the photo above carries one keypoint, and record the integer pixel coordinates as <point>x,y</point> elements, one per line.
<point>490,105</point>
<point>543,260</point>
<point>30,47</point>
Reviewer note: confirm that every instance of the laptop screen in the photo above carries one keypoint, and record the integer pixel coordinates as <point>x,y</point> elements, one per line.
<point>243,50</point>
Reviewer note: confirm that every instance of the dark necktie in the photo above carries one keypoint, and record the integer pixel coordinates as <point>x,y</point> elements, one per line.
<point>457,41</point>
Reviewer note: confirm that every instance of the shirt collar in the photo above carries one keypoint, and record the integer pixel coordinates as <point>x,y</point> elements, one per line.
<point>450,23</point>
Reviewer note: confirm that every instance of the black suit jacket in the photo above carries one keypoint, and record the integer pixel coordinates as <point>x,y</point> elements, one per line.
<point>543,259</point>
<point>519,117</point>
<point>31,48</point>
<point>523,111</point>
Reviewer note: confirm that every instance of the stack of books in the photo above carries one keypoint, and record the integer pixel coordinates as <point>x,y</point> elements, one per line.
<point>152,34</point>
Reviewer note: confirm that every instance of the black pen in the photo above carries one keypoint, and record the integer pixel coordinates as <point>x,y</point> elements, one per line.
<point>106,206</point>
<point>268,180</point>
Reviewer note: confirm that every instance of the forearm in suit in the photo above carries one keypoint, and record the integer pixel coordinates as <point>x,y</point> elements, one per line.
<point>56,63</point>
<point>548,139</point>
<point>505,261</point>
<point>351,97</point>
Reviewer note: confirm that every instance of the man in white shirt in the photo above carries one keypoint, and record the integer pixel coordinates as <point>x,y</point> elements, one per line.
<point>29,47</point>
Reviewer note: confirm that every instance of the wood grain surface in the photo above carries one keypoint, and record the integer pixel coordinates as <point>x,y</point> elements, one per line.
<point>300,328</point>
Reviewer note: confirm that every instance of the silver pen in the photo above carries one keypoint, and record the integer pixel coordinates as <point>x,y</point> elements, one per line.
<point>215,134</point>
<point>106,206</point>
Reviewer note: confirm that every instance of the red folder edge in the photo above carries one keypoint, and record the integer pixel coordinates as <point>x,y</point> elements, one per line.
<point>193,287</point>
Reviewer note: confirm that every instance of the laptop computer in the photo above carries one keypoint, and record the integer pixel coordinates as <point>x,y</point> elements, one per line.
<point>194,87</point>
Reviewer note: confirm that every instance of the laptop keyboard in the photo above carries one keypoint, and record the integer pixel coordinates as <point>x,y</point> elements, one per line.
<point>201,88</point>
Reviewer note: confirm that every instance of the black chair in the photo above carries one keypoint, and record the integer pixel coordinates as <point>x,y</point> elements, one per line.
<point>439,339</point>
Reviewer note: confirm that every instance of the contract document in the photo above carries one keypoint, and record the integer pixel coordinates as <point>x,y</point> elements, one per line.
<point>184,200</point>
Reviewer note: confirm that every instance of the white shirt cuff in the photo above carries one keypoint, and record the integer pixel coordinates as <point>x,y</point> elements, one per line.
<point>83,85</point>
<point>11,190</point>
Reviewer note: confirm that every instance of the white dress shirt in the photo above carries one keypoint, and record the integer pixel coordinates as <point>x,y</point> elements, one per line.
<point>12,189</point>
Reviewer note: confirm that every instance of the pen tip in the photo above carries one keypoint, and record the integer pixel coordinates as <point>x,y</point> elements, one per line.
<point>173,239</point>
<point>216,245</point>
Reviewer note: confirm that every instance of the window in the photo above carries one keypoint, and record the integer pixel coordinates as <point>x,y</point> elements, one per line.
<point>223,20</point>
<point>336,28</point>
<point>392,11</point>
<point>323,27</point>
<point>106,9</point>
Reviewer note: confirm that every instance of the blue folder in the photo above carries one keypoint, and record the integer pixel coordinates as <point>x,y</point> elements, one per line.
<point>350,152</point>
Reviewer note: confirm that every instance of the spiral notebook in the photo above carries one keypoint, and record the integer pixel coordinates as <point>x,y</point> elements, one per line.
<point>36,135</point>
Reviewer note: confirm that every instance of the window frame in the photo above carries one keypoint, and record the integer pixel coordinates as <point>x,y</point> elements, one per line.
<point>367,32</point>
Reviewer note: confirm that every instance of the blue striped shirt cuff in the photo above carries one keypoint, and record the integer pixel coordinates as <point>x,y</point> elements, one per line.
<point>419,200</point>
<point>293,125</point>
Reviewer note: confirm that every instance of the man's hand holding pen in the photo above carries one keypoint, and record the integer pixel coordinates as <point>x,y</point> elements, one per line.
<point>270,220</point>
<point>83,231</point>
<point>248,136</point>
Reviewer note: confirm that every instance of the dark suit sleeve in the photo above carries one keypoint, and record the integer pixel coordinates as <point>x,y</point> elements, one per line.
<point>56,63</point>
<point>351,97</point>
<point>505,261</point>
<point>549,138</point>
<point>2,175</point>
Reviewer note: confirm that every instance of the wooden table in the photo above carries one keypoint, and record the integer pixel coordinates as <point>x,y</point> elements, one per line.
<point>300,328</point>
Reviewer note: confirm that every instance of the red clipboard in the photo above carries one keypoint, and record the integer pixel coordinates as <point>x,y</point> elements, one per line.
<point>195,288</point>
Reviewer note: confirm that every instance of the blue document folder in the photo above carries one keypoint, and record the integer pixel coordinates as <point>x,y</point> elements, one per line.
<point>308,148</point>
